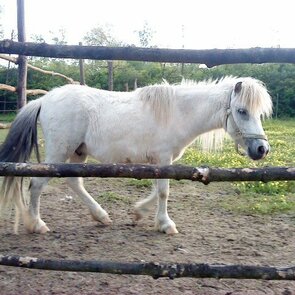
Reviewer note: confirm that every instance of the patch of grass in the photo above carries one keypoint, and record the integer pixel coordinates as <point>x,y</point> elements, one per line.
<point>112,197</point>
<point>3,133</point>
<point>260,204</point>
<point>8,117</point>
<point>143,183</point>
<point>256,196</point>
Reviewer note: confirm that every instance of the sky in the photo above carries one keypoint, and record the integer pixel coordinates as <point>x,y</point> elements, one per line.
<point>190,24</point>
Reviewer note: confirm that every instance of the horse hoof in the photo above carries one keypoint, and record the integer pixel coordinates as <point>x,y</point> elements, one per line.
<point>37,226</point>
<point>42,230</point>
<point>102,217</point>
<point>106,220</point>
<point>169,229</point>
<point>139,213</point>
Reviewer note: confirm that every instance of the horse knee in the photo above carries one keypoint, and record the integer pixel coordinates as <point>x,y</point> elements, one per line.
<point>75,182</point>
<point>38,183</point>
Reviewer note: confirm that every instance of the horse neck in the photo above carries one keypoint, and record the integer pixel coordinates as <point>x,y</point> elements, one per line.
<point>202,110</point>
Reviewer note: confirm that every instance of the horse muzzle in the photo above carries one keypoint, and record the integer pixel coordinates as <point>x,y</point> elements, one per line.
<point>257,149</point>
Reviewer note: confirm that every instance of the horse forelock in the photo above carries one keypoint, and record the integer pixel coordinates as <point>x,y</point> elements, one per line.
<point>160,98</point>
<point>255,97</point>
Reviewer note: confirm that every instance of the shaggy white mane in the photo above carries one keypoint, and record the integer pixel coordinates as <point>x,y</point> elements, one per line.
<point>253,95</point>
<point>160,98</point>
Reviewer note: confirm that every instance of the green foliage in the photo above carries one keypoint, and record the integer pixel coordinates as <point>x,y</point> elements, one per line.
<point>7,117</point>
<point>279,78</point>
<point>145,35</point>
<point>102,36</point>
<point>1,26</point>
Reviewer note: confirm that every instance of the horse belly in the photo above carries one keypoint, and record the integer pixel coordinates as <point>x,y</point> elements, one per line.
<point>118,153</point>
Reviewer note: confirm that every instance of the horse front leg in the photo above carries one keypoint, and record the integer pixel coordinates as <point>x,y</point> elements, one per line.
<point>163,222</point>
<point>77,185</point>
<point>96,211</point>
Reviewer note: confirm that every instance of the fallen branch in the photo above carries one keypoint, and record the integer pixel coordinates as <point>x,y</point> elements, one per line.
<point>138,171</point>
<point>7,87</point>
<point>28,91</point>
<point>5,126</point>
<point>156,270</point>
<point>15,61</point>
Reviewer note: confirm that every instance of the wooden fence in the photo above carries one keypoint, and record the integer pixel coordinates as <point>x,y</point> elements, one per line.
<point>210,58</point>
<point>154,269</point>
<point>139,171</point>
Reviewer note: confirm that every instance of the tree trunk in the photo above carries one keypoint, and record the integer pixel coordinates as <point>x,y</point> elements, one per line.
<point>22,60</point>
<point>110,75</point>
<point>81,67</point>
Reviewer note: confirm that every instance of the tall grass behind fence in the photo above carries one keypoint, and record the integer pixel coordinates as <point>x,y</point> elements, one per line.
<point>256,197</point>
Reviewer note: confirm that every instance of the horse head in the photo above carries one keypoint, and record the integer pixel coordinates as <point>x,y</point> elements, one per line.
<point>248,104</point>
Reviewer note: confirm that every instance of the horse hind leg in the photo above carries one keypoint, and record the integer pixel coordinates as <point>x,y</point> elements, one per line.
<point>142,207</point>
<point>76,184</point>
<point>31,216</point>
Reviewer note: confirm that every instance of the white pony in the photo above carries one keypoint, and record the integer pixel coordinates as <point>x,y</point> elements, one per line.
<point>153,125</point>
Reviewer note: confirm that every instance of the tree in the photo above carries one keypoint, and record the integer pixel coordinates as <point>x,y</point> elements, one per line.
<point>101,36</point>
<point>59,37</point>
<point>145,35</point>
<point>1,27</point>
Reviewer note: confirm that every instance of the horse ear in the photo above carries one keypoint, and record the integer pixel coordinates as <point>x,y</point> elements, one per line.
<point>238,87</point>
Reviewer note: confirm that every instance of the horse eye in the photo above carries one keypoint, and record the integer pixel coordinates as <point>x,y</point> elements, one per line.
<point>242,112</point>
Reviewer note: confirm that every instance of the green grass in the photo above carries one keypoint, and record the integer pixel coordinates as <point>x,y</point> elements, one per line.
<point>143,183</point>
<point>9,117</point>
<point>111,197</point>
<point>256,197</point>
<point>3,133</point>
<point>253,203</point>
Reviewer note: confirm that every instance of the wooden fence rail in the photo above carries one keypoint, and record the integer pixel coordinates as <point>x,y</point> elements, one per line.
<point>210,57</point>
<point>156,270</point>
<point>201,174</point>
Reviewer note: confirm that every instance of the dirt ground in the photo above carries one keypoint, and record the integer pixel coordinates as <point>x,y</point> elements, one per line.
<point>208,234</point>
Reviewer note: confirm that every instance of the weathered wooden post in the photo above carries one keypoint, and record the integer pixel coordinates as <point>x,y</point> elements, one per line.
<point>22,60</point>
<point>82,72</point>
<point>110,75</point>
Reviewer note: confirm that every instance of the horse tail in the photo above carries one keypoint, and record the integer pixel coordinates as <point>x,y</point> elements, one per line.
<point>17,147</point>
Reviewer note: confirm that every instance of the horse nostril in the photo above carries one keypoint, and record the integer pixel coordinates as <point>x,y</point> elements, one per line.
<point>262,150</point>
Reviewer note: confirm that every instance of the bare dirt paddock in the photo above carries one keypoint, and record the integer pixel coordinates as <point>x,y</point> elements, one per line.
<point>208,234</point>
